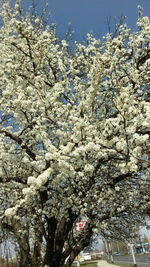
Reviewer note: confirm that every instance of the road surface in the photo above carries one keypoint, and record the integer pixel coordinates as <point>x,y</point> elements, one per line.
<point>128,258</point>
<point>139,264</point>
<point>142,260</point>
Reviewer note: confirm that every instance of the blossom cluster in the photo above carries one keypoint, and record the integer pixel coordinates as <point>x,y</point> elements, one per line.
<point>74,123</point>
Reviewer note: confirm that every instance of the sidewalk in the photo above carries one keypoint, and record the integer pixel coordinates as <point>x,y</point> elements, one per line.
<point>105,264</point>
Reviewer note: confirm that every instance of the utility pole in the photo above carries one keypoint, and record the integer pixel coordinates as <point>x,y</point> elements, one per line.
<point>110,251</point>
<point>118,248</point>
<point>133,255</point>
<point>107,249</point>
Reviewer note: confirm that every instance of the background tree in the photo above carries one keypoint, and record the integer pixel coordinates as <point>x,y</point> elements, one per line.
<point>74,134</point>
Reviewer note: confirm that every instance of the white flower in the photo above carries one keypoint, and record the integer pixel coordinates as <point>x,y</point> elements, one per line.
<point>31,180</point>
<point>26,159</point>
<point>29,191</point>
<point>43,178</point>
<point>64,43</point>
<point>48,156</point>
<point>132,166</point>
<point>88,168</point>
<point>10,212</point>
<point>123,168</point>
<point>131,129</point>
<point>140,139</point>
<point>137,151</point>
<point>145,123</point>
<point>37,20</point>
<point>117,188</point>
<point>121,145</point>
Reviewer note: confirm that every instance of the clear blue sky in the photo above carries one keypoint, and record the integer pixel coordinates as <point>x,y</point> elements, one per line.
<point>91,15</point>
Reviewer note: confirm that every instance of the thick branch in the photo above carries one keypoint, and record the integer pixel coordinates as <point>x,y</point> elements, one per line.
<point>63,230</point>
<point>19,141</point>
<point>142,60</point>
<point>120,178</point>
<point>75,248</point>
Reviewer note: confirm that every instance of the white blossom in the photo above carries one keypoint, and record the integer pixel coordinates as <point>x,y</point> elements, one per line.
<point>10,212</point>
<point>74,127</point>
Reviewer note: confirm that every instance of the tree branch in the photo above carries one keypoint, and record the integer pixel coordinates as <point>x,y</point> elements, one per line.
<point>19,141</point>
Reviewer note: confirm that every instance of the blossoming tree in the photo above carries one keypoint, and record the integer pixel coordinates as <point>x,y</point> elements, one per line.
<point>74,133</point>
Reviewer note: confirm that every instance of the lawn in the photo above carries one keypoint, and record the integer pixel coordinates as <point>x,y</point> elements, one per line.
<point>86,264</point>
<point>94,264</point>
<point>120,264</point>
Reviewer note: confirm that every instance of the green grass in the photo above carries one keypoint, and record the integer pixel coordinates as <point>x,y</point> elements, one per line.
<point>86,264</point>
<point>120,264</point>
<point>94,264</point>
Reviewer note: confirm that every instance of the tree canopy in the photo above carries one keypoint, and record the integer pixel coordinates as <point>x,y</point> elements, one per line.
<point>74,134</point>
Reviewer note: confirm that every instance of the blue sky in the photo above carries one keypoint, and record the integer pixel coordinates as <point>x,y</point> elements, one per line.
<point>91,15</point>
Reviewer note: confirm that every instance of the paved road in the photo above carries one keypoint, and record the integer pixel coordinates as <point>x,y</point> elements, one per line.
<point>142,260</point>
<point>139,264</point>
<point>139,258</point>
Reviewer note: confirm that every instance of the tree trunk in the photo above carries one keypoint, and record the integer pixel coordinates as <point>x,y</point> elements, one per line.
<point>37,259</point>
<point>22,236</point>
<point>25,258</point>
<point>53,261</point>
<point>38,240</point>
<point>24,249</point>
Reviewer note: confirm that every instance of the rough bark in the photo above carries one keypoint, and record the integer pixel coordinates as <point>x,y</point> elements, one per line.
<point>81,242</point>
<point>63,256</point>
<point>25,259</point>
<point>14,226</point>
<point>38,240</point>
<point>37,259</point>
